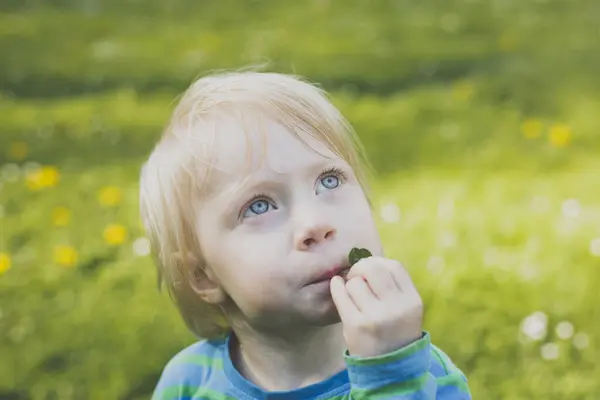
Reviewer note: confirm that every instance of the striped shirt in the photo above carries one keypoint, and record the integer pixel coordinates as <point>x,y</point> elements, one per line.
<point>418,371</point>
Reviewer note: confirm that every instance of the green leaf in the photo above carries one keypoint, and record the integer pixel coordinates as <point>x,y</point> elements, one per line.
<point>357,254</point>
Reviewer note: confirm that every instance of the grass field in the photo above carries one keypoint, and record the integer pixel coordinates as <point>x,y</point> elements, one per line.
<point>480,118</point>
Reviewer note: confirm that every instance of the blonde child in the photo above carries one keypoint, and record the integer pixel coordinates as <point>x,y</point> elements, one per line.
<point>252,200</point>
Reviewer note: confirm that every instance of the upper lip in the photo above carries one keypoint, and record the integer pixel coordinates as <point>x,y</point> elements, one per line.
<point>328,274</point>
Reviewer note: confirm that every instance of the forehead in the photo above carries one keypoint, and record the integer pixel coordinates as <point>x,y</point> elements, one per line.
<point>237,150</point>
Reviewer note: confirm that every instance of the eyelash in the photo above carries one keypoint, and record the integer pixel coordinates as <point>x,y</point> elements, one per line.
<point>334,171</point>
<point>263,196</point>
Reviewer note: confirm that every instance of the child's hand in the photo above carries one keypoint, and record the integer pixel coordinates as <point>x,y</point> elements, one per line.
<point>379,306</point>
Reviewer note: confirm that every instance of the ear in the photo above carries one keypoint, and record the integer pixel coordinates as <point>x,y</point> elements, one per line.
<point>203,281</point>
<point>205,285</point>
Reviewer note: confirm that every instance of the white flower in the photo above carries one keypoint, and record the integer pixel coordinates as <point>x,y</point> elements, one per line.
<point>141,247</point>
<point>595,247</point>
<point>550,351</point>
<point>390,213</point>
<point>535,325</point>
<point>11,172</point>
<point>581,340</point>
<point>435,265</point>
<point>571,208</point>
<point>564,330</point>
<point>528,272</point>
<point>447,239</point>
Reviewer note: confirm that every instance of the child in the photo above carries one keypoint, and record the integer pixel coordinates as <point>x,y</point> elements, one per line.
<point>252,200</point>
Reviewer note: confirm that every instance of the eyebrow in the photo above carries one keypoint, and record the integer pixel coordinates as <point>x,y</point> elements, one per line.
<point>229,194</point>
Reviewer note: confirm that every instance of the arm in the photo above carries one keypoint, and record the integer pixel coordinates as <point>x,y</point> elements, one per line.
<point>389,356</point>
<point>417,371</point>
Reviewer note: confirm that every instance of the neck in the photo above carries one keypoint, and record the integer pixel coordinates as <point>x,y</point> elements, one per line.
<point>289,360</point>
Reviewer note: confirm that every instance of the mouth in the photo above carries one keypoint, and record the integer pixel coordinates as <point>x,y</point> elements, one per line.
<point>339,270</point>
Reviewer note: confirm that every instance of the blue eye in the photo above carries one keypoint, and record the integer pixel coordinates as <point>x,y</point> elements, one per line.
<point>258,207</point>
<point>330,181</point>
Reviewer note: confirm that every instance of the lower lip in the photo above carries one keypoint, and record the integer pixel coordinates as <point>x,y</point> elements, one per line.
<point>321,285</point>
<point>325,283</point>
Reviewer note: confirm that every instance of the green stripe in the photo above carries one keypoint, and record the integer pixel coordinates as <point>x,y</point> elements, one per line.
<point>406,388</point>
<point>396,355</point>
<point>454,376</point>
<point>393,390</point>
<point>195,392</point>
<point>442,358</point>
<point>455,379</point>
<point>204,361</point>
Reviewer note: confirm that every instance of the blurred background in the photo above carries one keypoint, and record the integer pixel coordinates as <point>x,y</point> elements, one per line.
<point>480,118</point>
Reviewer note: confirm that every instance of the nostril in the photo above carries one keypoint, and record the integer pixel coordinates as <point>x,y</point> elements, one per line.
<point>329,235</point>
<point>309,241</point>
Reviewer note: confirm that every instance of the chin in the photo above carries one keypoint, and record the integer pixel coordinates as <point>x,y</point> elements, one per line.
<point>330,319</point>
<point>325,316</point>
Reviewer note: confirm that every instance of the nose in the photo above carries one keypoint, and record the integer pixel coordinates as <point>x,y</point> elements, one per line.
<point>309,236</point>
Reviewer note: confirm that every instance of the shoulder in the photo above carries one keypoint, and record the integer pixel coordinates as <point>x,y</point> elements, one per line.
<point>189,369</point>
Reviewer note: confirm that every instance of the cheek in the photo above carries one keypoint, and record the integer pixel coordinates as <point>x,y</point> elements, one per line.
<point>254,275</point>
<point>353,205</point>
<point>358,220</point>
<point>254,259</point>
<point>256,295</point>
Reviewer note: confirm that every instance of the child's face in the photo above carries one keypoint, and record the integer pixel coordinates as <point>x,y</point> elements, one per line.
<point>269,231</point>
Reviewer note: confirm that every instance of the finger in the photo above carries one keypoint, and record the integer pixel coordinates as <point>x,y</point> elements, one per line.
<point>361,294</point>
<point>342,300</point>
<point>378,276</point>
<point>359,268</point>
<point>401,276</point>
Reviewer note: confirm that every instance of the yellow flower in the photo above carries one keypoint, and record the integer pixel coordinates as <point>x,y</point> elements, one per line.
<point>115,234</point>
<point>532,128</point>
<point>65,256</point>
<point>463,90</point>
<point>110,196</point>
<point>4,263</point>
<point>43,177</point>
<point>560,135</point>
<point>61,216</point>
<point>18,150</point>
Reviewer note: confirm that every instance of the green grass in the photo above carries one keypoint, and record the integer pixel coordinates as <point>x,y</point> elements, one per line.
<point>453,125</point>
<point>485,250</point>
<point>528,48</point>
<point>493,226</point>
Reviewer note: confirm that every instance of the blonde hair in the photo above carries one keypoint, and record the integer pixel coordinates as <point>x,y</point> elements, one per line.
<point>170,179</point>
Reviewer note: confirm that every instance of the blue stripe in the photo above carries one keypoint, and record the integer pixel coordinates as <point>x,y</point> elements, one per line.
<point>373,376</point>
